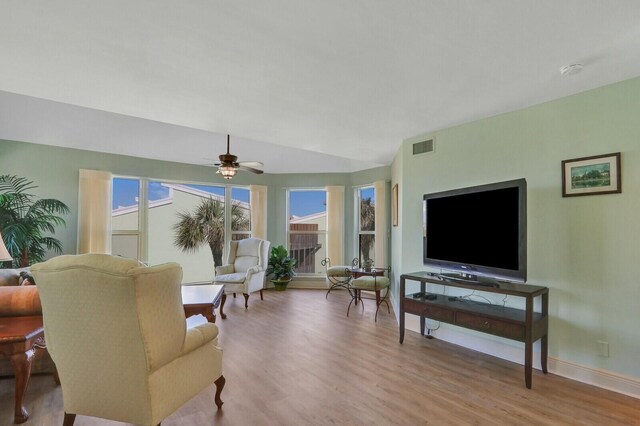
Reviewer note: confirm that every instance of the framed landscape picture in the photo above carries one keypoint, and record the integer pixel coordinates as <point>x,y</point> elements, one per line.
<point>595,175</point>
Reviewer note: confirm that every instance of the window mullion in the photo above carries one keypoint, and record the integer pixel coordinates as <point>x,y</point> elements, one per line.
<point>143,222</point>
<point>227,222</point>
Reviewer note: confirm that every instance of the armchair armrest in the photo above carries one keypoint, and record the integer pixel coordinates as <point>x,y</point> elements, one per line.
<point>198,336</point>
<point>225,269</point>
<point>253,270</point>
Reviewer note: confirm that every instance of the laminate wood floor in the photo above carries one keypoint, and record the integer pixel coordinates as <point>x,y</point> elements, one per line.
<point>296,359</point>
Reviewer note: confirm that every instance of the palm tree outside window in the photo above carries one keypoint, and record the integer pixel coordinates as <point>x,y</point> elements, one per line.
<point>366,200</point>
<point>187,223</point>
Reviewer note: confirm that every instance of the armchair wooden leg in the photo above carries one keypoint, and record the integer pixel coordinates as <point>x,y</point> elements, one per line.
<point>234,295</point>
<point>68,419</point>
<point>261,298</point>
<point>224,299</point>
<point>219,385</point>
<point>246,300</point>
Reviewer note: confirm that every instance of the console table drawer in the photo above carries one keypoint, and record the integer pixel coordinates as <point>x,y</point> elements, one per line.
<point>491,325</point>
<point>427,310</point>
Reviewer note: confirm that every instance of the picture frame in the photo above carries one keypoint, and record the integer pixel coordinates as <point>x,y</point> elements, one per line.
<point>394,205</point>
<point>595,175</point>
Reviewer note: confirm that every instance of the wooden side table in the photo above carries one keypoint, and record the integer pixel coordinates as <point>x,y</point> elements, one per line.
<point>202,299</point>
<point>20,338</point>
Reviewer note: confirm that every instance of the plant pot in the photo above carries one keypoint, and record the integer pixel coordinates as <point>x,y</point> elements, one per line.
<point>281,285</point>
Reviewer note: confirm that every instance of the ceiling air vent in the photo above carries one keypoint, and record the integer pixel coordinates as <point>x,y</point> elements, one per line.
<point>423,147</point>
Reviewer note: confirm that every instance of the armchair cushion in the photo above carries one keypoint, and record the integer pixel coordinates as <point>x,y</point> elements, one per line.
<point>338,271</point>
<point>224,269</point>
<point>370,283</point>
<point>243,263</point>
<point>238,277</point>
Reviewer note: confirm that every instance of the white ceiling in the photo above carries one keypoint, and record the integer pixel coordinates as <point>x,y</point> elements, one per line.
<point>350,79</point>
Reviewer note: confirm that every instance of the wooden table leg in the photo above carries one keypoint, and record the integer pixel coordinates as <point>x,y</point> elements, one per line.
<point>528,342</point>
<point>544,344</point>
<point>224,299</point>
<point>211,315</point>
<point>22,368</point>
<point>401,322</point>
<point>422,319</point>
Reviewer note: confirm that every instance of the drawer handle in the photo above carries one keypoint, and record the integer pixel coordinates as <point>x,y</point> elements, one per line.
<point>486,324</point>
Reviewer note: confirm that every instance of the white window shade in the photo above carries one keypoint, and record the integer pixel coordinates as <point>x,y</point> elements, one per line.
<point>258,206</point>
<point>380,188</point>
<point>94,212</point>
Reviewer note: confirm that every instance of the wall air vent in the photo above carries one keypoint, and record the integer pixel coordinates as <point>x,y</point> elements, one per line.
<point>423,147</point>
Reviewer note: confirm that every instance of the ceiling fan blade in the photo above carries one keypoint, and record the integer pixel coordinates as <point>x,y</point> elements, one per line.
<point>250,169</point>
<point>251,164</point>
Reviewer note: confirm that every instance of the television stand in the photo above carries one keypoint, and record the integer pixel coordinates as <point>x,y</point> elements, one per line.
<point>471,279</point>
<point>516,324</point>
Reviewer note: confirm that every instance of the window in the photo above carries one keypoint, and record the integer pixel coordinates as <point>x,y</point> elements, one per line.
<point>240,214</point>
<point>185,223</point>
<point>366,201</point>
<point>125,218</point>
<point>307,229</point>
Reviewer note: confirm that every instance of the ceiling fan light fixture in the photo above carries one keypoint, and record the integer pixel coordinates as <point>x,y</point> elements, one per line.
<point>227,172</point>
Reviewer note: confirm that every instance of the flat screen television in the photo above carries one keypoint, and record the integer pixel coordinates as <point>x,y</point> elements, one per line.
<point>478,231</point>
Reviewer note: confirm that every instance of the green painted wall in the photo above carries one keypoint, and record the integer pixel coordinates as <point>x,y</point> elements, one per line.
<point>584,248</point>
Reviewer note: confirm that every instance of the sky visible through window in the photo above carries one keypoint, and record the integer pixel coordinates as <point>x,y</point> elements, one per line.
<point>304,203</point>
<point>368,193</point>
<point>125,192</point>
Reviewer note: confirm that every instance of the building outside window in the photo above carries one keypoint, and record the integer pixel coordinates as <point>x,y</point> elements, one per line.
<point>365,202</point>
<point>165,217</point>
<point>307,229</point>
<point>125,234</point>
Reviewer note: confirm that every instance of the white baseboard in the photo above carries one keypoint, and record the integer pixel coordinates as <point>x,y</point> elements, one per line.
<point>514,352</point>
<point>311,283</point>
<point>596,377</point>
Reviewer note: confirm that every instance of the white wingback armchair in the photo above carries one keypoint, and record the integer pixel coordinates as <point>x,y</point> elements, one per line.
<point>244,269</point>
<point>117,333</point>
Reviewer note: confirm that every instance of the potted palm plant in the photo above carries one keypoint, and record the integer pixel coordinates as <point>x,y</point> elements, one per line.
<point>280,268</point>
<point>27,221</point>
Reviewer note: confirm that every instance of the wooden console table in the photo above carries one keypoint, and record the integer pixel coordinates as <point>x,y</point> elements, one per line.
<point>516,324</point>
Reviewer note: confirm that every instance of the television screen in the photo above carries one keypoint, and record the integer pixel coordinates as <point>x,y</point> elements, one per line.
<point>479,230</point>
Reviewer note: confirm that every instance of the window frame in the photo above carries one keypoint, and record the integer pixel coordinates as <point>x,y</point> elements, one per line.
<point>143,212</point>
<point>357,190</point>
<point>288,231</point>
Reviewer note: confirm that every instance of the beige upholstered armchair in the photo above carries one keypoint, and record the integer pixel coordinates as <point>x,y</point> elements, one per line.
<point>244,269</point>
<point>117,333</point>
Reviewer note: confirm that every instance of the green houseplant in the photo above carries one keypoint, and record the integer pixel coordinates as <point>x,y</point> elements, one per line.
<point>25,221</point>
<point>280,268</point>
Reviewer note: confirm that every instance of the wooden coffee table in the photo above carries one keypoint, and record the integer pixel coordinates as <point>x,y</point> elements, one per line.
<point>202,299</point>
<point>20,338</point>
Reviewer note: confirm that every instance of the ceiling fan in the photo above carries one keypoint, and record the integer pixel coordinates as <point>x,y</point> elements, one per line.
<point>229,165</point>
